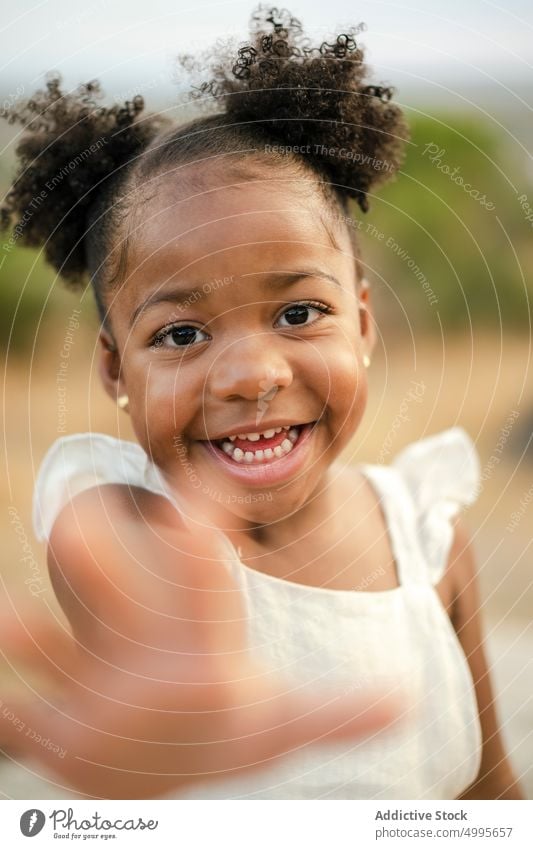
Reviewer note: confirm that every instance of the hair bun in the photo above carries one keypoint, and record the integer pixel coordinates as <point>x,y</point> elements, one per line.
<point>314,99</point>
<point>69,147</point>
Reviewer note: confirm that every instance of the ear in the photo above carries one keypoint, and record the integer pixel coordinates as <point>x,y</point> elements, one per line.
<point>109,366</point>
<point>366,317</point>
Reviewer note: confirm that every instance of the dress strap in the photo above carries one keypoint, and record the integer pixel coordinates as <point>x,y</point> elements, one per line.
<point>422,491</point>
<point>400,518</point>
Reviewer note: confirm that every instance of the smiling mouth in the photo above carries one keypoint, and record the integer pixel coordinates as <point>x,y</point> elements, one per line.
<point>261,448</point>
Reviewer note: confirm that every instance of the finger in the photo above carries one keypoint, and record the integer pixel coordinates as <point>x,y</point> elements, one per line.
<point>38,642</point>
<point>14,723</point>
<point>192,605</point>
<point>297,721</point>
<point>208,603</point>
<point>310,720</point>
<point>28,734</point>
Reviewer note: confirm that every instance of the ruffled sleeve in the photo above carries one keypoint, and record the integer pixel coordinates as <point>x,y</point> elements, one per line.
<point>442,474</point>
<point>81,461</point>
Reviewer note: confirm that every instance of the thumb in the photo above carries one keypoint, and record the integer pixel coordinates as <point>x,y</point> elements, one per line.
<point>303,720</point>
<point>347,717</point>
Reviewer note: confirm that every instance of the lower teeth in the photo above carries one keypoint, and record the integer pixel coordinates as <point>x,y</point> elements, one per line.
<point>259,457</point>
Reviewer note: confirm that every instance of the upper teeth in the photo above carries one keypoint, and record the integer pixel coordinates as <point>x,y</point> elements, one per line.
<point>239,455</point>
<point>254,437</point>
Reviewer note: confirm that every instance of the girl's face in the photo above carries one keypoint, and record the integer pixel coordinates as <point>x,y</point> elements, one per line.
<point>240,314</point>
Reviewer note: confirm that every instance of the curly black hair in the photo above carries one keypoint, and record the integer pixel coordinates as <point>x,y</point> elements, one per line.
<point>296,106</point>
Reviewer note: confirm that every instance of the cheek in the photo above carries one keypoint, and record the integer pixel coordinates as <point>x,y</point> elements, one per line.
<point>349,390</point>
<point>344,393</point>
<point>164,401</point>
<point>337,378</point>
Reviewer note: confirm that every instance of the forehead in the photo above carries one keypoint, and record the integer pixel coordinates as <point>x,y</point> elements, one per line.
<point>207,227</point>
<point>230,210</point>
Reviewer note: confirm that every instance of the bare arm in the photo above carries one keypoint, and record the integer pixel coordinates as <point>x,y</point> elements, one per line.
<point>495,779</point>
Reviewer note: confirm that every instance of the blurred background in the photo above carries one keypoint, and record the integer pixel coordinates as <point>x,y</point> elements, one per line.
<point>448,250</point>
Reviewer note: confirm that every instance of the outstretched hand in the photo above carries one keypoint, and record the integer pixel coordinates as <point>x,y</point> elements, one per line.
<point>159,690</point>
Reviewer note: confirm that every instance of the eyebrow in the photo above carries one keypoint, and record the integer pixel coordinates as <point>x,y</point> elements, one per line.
<point>276,280</point>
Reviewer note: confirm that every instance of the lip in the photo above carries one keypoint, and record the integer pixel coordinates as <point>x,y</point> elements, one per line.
<point>265,474</point>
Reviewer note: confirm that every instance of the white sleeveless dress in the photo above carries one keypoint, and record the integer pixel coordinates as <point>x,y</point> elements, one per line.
<point>320,637</point>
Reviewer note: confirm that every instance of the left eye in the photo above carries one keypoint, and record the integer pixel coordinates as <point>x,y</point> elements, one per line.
<point>182,335</point>
<point>298,313</point>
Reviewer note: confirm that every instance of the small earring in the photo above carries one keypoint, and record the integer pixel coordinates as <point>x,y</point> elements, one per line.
<point>123,402</point>
<point>366,360</point>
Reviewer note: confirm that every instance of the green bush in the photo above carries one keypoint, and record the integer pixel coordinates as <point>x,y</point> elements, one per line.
<point>471,261</point>
<point>32,298</point>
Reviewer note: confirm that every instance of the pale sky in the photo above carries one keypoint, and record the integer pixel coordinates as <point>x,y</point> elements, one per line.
<point>129,44</point>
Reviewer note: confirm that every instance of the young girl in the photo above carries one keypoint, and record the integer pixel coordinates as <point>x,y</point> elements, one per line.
<point>230,584</point>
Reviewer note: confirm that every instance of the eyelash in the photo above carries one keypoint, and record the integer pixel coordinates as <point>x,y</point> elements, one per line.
<point>161,335</point>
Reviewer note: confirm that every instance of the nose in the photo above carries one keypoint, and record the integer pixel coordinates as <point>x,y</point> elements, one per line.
<point>252,368</point>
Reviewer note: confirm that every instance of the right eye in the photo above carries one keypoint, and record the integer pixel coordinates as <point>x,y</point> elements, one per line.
<point>176,336</point>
